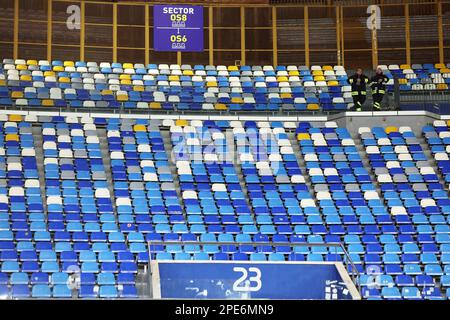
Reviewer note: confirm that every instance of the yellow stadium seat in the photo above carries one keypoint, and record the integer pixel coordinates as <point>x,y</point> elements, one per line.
<point>25,77</point>
<point>68,63</point>
<point>303,136</point>
<point>128,66</point>
<point>174,78</point>
<point>313,106</point>
<point>15,117</point>
<point>286,95</point>
<point>282,79</point>
<point>439,66</point>
<point>122,97</point>
<point>237,100</point>
<point>220,106</point>
<point>124,76</point>
<point>58,68</point>
<point>188,72</point>
<point>138,88</point>
<point>2,82</point>
<point>211,84</point>
<point>21,67</point>
<point>402,81</point>
<point>333,83</point>
<point>294,73</point>
<point>327,68</point>
<point>125,81</point>
<point>442,86</point>
<point>12,137</point>
<point>106,92</point>
<point>64,79</point>
<point>405,66</point>
<point>448,123</point>
<point>319,78</point>
<point>317,73</point>
<point>445,70</point>
<point>181,123</point>
<point>233,68</point>
<point>49,74</point>
<point>48,103</point>
<point>139,127</point>
<point>32,62</point>
<point>17,94</point>
<point>155,105</point>
<point>391,129</point>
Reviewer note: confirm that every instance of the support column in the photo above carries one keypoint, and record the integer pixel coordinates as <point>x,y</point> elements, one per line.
<point>306,27</point>
<point>114,32</point>
<point>147,35</point>
<point>274,36</point>
<point>211,35</point>
<point>16,30</point>
<point>82,30</point>
<point>49,29</point>
<point>242,36</point>
<point>407,35</point>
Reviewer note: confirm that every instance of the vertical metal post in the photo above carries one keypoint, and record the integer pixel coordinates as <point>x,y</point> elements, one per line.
<point>342,36</point>
<point>338,35</point>
<point>179,57</point>
<point>440,32</point>
<point>49,29</point>
<point>82,29</point>
<point>306,27</point>
<point>16,30</point>
<point>147,35</point>
<point>374,39</point>
<point>242,35</point>
<point>274,36</point>
<point>114,32</point>
<point>407,35</point>
<point>211,35</point>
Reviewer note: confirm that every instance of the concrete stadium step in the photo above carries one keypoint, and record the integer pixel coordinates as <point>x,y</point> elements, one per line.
<point>301,161</point>
<point>365,160</point>
<point>431,161</point>
<point>165,134</point>
<point>39,149</point>
<point>143,284</point>
<point>104,148</point>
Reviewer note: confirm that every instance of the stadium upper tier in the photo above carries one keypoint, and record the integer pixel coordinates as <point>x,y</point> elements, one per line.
<point>173,87</point>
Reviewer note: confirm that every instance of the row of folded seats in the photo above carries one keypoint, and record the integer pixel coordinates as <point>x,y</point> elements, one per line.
<point>419,77</point>
<point>416,228</point>
<point>29,83</point>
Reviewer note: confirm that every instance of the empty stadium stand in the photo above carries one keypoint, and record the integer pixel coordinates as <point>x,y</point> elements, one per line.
<point>82,196</point>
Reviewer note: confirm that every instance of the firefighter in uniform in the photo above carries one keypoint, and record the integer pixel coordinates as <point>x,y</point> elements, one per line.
<point>378,85</point>
<point>358,82</point>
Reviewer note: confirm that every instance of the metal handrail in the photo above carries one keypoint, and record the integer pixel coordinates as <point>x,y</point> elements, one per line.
<point>354,274</point>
